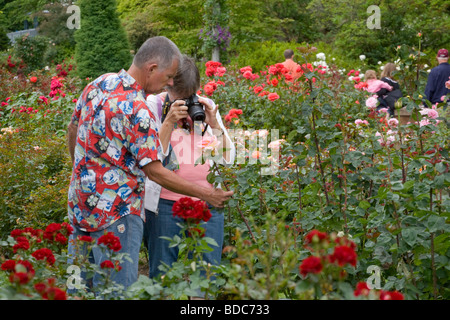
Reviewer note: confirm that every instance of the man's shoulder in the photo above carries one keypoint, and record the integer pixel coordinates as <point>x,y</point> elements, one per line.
<point>441,66</point>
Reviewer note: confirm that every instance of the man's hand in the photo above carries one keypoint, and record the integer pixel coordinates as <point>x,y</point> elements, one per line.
<point>171,181</point>
<point>217,197</point>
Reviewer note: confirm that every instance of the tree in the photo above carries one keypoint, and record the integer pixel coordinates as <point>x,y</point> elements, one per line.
<point>215,32</point>
<point>101,42</point>
<point>4,40</point>
<point>178,20</point>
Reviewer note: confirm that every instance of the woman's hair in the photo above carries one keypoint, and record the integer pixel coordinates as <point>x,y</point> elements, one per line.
<point>370,74</point>
<point>387,70</point>
<point>187,80</point>
<point>160,50</point>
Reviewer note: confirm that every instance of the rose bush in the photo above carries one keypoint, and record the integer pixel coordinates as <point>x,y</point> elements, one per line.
<point>325,187</point>
<point>345,167</point>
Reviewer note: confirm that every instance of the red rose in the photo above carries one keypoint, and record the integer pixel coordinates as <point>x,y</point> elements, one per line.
<point>257,89</point>
<point>110,241</point>
<point>107,264</point>
<point>8,265</point>
<point>245,69</point>
<point>273,96</point>
<point>315,235</point>
<point>33,79</point>
<point>311,264</point>
<point>85,239</point>
<point>44,254</point>
<point>19,278</point>
<point>191,210</point>
<point>391,295</point>
<point>49,291</point>
<point>343,255</point>
<point>22,271</point>
<point>22,243</point>
<point>361,289</point>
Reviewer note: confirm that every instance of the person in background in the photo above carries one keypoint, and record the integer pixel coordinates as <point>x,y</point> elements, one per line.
<point>377,87</point>
<point>177,132</point>
<point>435,88</point>
<point>390,96</point>
<point>289,63</point>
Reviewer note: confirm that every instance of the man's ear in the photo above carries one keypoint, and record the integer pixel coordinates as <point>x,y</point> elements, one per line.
<point>151,67</point>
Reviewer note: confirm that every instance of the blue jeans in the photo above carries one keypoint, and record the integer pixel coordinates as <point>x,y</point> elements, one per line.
<point>164,224</point>
<point>129,229</point>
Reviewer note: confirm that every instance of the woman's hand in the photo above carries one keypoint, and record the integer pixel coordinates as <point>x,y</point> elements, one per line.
<point>178,110</point>
<point>210,113</point>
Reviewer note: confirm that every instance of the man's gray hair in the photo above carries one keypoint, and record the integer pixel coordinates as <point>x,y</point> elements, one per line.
<point>158,50</point>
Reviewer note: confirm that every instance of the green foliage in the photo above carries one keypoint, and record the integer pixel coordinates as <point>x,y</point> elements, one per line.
<point>259,55</point>
<point>102,45</point>
<point>34,161</point>
<point>335,175</point>
<point>343,23</point>
<point>31,50</point>
<point>4,40</point>
<point>53,25</point>
<point>180,21</point>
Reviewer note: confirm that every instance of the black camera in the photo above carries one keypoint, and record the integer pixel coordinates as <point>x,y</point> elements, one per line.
<point>195,108</point>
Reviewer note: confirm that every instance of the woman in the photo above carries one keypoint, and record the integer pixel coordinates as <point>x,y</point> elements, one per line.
<point>177,132</point>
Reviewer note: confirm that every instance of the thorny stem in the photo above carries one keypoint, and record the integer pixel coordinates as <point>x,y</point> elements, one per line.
<point>319,160</point>
<point>433,267</point>
<point>237,206</point>
<point>299,189</point>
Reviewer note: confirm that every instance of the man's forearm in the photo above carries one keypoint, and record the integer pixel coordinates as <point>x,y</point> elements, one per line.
<point>169,180</point>
<point>72,139</point>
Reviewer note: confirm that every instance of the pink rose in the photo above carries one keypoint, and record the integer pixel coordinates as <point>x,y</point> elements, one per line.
<point>273,96</point>
<point>371,102</point>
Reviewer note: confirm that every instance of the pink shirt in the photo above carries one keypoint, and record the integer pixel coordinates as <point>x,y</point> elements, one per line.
<point>292,68</point>
<point>374,85</point>
<point>186,148</point>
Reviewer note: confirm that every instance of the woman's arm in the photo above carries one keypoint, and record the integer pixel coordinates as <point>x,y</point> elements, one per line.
<point>214,120</point>
<point>176,112</point>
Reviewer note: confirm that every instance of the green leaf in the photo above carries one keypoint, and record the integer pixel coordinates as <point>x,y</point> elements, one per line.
<point>364,204</point>
<point>410,235</point>
<point>435,223</point>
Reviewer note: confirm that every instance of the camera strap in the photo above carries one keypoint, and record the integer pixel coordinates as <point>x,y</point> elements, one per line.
<point>165,108</point>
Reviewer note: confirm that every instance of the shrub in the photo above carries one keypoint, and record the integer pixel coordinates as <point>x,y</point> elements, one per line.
<point>31,50</point>
<point>101,43</point>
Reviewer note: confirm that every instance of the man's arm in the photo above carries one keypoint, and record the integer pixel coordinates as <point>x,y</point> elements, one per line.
<point>430,88</point>
<point>72,139</point>
<point>169,180</point>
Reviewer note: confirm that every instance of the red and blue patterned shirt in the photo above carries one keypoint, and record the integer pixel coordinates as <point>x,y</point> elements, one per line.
<point>117,136</point>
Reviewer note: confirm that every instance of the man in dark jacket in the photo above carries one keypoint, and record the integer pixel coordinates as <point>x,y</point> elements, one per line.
<point>435,88</point>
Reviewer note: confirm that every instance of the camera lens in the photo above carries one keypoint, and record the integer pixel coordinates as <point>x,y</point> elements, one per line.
<point>196,112</point>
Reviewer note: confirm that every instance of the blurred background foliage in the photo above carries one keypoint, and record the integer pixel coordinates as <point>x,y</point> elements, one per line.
<point>339,27</point>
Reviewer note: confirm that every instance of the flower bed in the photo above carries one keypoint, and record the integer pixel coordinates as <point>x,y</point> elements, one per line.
<point>331,197</point>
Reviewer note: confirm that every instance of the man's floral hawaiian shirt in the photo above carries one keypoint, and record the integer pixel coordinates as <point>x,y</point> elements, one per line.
<point>117,136</point>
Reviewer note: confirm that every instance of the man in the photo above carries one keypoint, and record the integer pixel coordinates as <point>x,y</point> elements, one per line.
<point>114,145</point>
<point>435,88</point>
<point>290,65</point>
